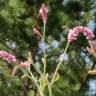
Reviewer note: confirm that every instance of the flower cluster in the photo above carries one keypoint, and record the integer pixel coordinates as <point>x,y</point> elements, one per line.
<point>7,56</point>
<point>43,12</point>
<point>25,64</point>
<point>73,33</point>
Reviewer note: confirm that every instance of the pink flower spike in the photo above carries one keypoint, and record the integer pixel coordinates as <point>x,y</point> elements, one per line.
<point>7,56</point>
<point>73,33</point>
<point>43,12</point>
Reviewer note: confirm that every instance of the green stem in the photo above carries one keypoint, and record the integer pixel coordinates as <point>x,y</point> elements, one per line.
<point>37,69</point>
<point>58,66</point>
<point>44,49</point>
<point>50,89</point>
<point>35,81</point>
<point>34,65</point>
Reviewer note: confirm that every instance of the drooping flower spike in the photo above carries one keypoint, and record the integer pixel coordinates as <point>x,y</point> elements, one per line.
<point>43,12</point>
<point>73,33</point>
<point>7,56</point>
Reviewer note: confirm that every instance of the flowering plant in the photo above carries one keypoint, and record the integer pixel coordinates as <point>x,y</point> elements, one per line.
<point>43,81</point>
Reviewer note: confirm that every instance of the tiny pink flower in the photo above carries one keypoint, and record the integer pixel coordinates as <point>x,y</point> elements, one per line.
<point>73,33</point>
<point>43,12</point>
<point>25,64</point>
<point>88,33</point>
<point>7,56</point>
<point>78,29</point>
